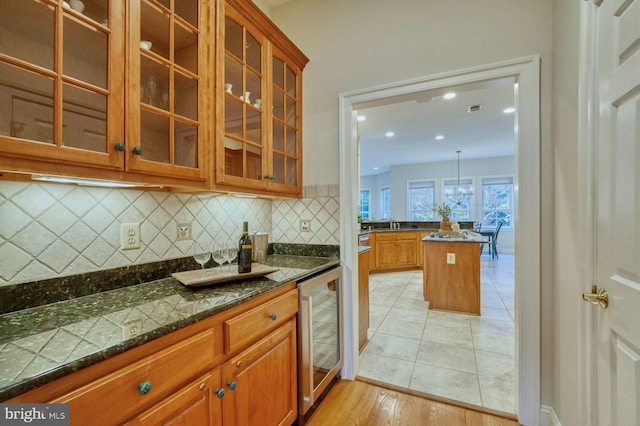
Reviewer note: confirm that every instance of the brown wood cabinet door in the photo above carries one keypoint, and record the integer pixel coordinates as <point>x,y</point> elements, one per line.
<point>386,256</point>
<point>406,253</point>
<point>261,383</point>
<point>195,404</point>
<point>167,66</point>
<point>61,85</point>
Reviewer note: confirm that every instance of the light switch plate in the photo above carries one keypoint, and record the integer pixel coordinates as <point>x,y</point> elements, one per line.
<point>451,258</point>
<point>129,236</point>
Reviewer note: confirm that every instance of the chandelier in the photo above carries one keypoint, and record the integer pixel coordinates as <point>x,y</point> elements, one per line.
<point>458,196</point>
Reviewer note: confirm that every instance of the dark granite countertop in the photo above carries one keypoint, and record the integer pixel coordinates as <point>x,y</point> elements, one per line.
<point>41,344</point>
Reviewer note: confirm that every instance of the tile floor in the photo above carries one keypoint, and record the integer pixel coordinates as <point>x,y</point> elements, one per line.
<point>460,357</point>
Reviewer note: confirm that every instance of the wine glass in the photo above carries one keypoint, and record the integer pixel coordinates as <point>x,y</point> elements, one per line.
<point>231,253</point>
<point>219,253</point>
<point>202,254</point>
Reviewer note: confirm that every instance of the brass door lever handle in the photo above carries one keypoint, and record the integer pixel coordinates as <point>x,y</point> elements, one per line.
<point>597,297</point>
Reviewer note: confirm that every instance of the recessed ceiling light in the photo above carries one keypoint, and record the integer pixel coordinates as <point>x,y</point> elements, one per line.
<point>449,95</point>
<point>361,118</point>
<point>509,110</point>
<point>376,168</point>
<point>439,137</point>
<point>389,134</point>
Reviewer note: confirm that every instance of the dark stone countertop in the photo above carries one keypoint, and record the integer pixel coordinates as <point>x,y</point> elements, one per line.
<point>44,343</point>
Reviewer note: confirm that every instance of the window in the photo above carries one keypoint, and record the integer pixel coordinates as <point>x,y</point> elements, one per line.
<point>422,195</point>
<point>385,202</point>
<point>365,197</point>
<point>497,200</point>
<point>461,206</point>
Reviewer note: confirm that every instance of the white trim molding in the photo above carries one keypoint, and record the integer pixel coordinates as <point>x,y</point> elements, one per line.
<point>526,72</point>
<point>548,417</point>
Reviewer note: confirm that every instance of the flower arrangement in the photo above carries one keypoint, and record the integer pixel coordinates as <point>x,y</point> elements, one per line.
<point>443,210</point>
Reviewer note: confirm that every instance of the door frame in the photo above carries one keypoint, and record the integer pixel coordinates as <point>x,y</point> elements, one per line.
<point>526,70</point>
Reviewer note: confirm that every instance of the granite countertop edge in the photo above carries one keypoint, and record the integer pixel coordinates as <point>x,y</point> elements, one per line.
<point>250,289</point>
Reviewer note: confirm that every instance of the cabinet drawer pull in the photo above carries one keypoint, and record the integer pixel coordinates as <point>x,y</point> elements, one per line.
<point>144,388</point>
<point>239,364</point>
<point>203,386</point>
<point>137,150</point>
<point>232,385</point>
<point>219,392</point>
<point>273,317</point>
<point>119,146</point>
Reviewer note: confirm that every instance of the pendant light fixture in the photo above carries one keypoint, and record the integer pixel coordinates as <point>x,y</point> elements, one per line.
<point>459,196</point>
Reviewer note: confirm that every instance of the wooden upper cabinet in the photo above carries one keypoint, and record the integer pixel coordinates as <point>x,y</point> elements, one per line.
<point>259,100</point>
<point>61,79</point>
<point>167,63</point>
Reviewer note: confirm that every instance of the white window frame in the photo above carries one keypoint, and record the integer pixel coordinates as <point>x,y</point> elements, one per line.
<point>368,190</point>
<point>431,215</point>
<point>452,181</point>
<point>497,179</point>
<point>383,213</point>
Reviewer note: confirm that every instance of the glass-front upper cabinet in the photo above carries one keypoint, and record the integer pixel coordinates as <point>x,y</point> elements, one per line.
<point>61,95</point>
<point>165,105</point>
<point>286,156</point>
<point>242,161</point>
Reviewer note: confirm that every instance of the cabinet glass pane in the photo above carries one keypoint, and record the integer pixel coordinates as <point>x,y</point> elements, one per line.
<point>85,53</point>
<point>291,142</point>
<point>292,169</point>
<point>186,96</point>
<point>253,87</point>
<point>278,168</point>
<point>154,137</point>
<point>185,46</point>
<point>278,104</point>
<point>186,144</point>
<point>254,53</point>
<point>154,83</point>
<point>98,10</point>
<point>187,10</point>
<point>233,159</point>
<point>291,112</point>
<point>278,73</point>
<point>84,119</point>
<point>154,27</point>
<point>291,82</point>
<point>27,104</point>
<point>254,125</point>
<point>254,163</point>
<point>233,38</point>
<point>26,31</point>
<point>278,136</point>
<point>232,116</point>
<point>233,76</point>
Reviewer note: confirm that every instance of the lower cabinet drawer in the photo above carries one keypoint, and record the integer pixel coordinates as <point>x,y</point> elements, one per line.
<point>125,392</point>
<point>246,327</point>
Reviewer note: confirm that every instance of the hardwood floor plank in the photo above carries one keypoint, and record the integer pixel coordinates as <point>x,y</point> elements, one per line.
<point>359,403</point>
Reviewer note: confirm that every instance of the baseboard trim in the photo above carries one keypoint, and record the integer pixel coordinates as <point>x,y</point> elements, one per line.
<point>548,416</point>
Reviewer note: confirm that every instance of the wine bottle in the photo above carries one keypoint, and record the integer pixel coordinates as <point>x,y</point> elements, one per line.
<point>244,250</point>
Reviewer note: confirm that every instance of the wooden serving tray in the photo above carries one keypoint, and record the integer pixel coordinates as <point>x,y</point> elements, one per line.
<point>220,275</point>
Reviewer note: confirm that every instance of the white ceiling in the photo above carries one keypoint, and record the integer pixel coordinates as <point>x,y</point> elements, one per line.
<point>416,119</point>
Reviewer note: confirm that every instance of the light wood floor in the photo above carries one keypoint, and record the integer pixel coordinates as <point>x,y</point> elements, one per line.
<point>359,403</point>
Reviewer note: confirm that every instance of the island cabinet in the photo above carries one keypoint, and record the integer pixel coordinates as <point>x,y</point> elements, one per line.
<point>395,250</point>
<point>259,104</point>
<point>97,90</point>
<point>217,371</point>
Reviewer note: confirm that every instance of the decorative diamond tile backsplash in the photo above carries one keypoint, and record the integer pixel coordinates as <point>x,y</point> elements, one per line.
<point>52,230</point>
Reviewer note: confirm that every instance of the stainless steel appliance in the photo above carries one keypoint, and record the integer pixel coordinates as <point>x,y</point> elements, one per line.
<point>319,339</point>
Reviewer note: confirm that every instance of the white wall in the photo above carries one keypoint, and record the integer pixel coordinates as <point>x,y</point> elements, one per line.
<point>355,45</point>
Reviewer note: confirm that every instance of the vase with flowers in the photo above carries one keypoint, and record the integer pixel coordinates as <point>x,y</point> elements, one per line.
<point>444,211</point>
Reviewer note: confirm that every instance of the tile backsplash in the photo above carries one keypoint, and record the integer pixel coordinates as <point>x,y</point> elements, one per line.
<point>54,230</point>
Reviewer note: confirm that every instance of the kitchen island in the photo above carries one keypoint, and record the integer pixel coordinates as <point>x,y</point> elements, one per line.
<point>451,271</point>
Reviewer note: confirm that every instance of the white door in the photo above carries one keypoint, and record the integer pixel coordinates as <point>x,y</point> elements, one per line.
<point>618,212</point>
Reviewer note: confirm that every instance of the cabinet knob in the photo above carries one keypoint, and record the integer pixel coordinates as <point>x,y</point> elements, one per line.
<point>203,386</point>
<point>239,364</point>
<point>119,146</point>
<point>137,150</point>
<point>219,392</point>
<point>144,388</point>
<point>232,385</point>
<point>272,177</point>
<point>273,317</point>
<point>267,176</point>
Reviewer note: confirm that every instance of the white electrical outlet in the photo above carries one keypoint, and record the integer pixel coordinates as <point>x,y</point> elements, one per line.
<point>132,328</point>
<point>184,231</point>
<point>129,236</point>
<point>305,225</point>
<point>451,258</point>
